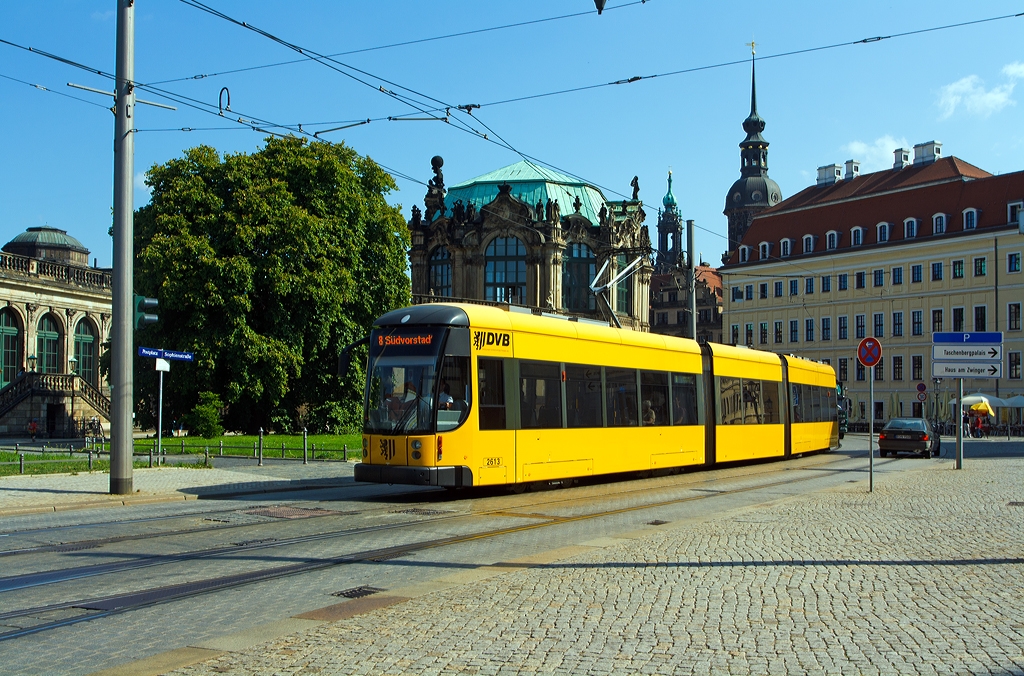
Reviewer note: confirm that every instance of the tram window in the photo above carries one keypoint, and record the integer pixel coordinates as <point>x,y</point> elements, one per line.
<point>752,402</point>
<point>654,398</point>
<point>795,403</point>
<point>622,404</point>
<point>770,402</point>
<point>807,403</point>
<point>583,396</point>
<point>817,415</point>
<point>684,399</point>
<point>491,394</point>
<point>731,410</point>
<point>828,402</point>
<point>454,393</point>
<point>540,394</point>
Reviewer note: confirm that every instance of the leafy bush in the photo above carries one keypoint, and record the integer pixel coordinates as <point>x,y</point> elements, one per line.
<point>204,420</point>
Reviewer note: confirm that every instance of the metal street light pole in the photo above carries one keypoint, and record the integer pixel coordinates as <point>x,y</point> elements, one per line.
<point>121,332</point>
<point>72,371</point>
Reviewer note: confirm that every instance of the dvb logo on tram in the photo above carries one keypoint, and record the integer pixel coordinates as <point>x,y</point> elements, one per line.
<point>493,340</point>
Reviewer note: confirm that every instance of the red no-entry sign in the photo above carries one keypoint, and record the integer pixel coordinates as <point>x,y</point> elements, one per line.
<point>869,352</point>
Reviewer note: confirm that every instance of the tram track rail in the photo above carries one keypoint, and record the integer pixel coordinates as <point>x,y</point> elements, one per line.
<point>93,608</point>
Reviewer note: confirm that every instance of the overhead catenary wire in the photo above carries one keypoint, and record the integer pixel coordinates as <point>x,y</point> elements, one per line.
<point>404,43</point>
<point>53,91</point>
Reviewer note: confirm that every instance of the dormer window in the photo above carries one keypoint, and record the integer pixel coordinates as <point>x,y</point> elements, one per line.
<point>857,236</point>
<point>910,228</point>
<point>1013,211</point>
<point>970,219</point>
<point>831,240</point>
<point>744,254</point>
<point>765,249</point>
<point>787,247</point>
<point>808,243</point>
<point>939,224</point>
<point>882,232</point>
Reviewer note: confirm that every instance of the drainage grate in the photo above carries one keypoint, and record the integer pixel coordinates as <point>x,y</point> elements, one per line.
<point>657,522</point>
<point>358,592</point>
<point>388,557</point>
<point>421,512</point>
<point>287,512</point>
<point>74,547</point>
<point>1015,504</point>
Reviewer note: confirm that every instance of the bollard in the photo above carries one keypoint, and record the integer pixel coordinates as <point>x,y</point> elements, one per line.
<point>255,453</point>
<point>314,452</point>
<point>90,459</point>
<point>282,451</point>
<point>71,451</point>
<point>344,453</point>
<point>17,448</point>
<point>21,462</point>
<point>260,463</point>
<point>221,447</point>
<point>151,457</point>
<point>206,457</point>
<point>183,445</point>
<point>305,461</point>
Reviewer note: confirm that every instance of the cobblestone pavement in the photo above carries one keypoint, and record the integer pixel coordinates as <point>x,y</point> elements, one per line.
<point>922,576</point>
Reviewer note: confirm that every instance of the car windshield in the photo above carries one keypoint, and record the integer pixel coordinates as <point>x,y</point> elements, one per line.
<point>915,425</point>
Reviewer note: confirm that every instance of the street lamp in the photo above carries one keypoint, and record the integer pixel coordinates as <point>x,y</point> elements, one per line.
<point>937,382</point>
<point>31,362</point>
<point>72,368</point>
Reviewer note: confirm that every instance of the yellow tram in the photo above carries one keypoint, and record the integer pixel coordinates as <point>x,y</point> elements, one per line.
<point>472,395</point>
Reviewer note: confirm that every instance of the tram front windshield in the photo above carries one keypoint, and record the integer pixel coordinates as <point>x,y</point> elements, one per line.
<point>400,395</point>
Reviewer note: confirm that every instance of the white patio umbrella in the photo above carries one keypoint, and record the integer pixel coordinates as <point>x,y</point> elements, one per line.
<point>972,399</point>
<point>1013,402</point>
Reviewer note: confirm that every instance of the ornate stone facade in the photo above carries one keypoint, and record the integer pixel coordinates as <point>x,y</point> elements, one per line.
<point>506,238</point>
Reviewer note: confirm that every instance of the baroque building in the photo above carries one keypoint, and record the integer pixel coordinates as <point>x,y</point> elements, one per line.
<point>753,191</point>
<point>933,244</point>
<point>55,313</point>
<point>525,235</point>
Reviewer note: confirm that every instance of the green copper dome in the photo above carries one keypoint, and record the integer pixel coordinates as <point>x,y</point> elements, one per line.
<point>49,244</point>
<point>50,237</point>
<point>669,200</point>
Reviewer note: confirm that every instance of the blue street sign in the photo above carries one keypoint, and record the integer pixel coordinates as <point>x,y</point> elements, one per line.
<point>974,338</point>
<point>174,355</point>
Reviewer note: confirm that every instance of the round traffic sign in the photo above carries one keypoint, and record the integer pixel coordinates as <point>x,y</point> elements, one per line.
<point>921,387</point>
<point>921,396</point>
<point>869,352</point>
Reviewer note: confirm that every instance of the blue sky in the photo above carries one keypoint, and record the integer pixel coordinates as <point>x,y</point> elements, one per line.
<point>959,86</point>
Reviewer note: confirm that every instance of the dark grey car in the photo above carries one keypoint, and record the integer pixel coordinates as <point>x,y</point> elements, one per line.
<point>908,435</point>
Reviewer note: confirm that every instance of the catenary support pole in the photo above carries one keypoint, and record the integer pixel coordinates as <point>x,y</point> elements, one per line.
<point>121,331</point>
<point>691,280</point>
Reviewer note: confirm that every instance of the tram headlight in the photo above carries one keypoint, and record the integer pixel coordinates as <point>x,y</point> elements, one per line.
<point>366,447</point>
<point>416,444</point>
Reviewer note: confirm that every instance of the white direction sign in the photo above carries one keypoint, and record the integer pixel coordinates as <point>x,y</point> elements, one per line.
<point>959,353</point>
<point>967,369</point>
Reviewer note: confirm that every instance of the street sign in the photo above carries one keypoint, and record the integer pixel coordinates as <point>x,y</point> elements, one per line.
<point>921,396</point>
<point>967,369</point>
<point>174,355</point>
<point>869,352</point>
<point>977,354</point>
<point>162,364</point>
<point>921,387</point>
<point>949,352</point>
<point>975,338</point>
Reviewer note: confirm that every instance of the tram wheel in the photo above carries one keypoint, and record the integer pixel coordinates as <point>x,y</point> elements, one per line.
<point>518,489</point>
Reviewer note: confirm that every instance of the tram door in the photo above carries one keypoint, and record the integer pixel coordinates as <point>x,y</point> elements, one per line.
<point>496,451</point>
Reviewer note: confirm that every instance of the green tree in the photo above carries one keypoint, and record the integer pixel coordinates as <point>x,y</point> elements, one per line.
<point>204,420</point>
<point>266,265</point>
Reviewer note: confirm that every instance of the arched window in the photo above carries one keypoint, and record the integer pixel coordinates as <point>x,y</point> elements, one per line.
<point>808,243</point>
<point>744,254</point>
<point>857,236</point>
<point>441,272</point>
<point>579,265</point>
<point>832,240</point>
<point>938,224</point>
<point>505,270</point>
<point>787,246</point>
<point>882,232</point>
<point>85,351</point>
<point>624,288</point>
<point>910,228</point>
<point>48,345</point>
<point>766,250</point>
<point>10,345</point>
<point>970,219</point>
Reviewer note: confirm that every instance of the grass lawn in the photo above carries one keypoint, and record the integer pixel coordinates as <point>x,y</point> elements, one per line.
<point>325,446</point>
<point>56,463</point>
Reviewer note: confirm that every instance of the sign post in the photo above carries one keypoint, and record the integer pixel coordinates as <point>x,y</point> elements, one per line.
<point>869,353</point>
<point>163,364</point>
<point>958,354</point>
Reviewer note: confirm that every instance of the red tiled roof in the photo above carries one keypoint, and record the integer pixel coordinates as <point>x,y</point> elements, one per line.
<point>946,186</point>
<point>705,273</point>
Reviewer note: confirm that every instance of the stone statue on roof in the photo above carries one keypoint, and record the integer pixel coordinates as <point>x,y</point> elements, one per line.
<point>540,210</point>
<point>547,211</point>
<point>417,215</point>
<point>577,204</point>
<point>434,200</point>
<point>635,184</point>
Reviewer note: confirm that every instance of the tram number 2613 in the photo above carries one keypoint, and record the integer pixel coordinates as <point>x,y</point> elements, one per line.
<point>387,448</point>
<point>492,462</point>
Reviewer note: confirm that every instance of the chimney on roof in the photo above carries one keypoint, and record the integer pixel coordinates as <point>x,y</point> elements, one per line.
<point>829,174</point>
<point>926,153</point>
<point>852,169</point>
<point>901,157</point>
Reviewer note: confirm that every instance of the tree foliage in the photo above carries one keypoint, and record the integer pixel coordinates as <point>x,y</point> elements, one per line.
<point>204,420</point>
<point>266,265</point>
